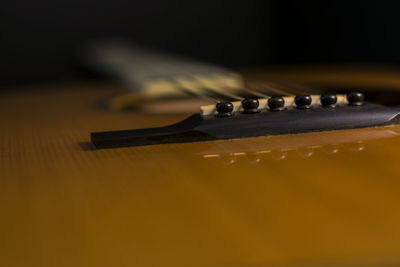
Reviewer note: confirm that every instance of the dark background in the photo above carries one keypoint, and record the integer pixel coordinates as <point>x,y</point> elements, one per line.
<point>40,39</point>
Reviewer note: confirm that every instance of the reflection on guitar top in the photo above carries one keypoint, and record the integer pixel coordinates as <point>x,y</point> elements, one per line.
<point>256,149</point>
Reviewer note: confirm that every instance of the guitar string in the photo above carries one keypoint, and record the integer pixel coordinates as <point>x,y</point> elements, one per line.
<point>215,93</point>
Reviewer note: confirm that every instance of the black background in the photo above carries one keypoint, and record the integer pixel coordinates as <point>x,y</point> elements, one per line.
<point>40,39</point>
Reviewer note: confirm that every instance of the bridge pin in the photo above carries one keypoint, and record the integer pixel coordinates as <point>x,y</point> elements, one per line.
<point>224,109</point>
<point>250,105</point>
<point>276,103</point>
<point>355,98</point>
<point>329,100</point>
<point>303,101</point>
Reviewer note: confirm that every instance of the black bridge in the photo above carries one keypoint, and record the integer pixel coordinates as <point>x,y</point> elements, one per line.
<point>293,120</point>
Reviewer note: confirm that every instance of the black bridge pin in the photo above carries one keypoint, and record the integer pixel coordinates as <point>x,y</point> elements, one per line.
<point>329,100</point>
<point>224,109</point>
<point>250,105</point>
<point>276,103</point>
<point>303,101</point>
<point>355,98</point>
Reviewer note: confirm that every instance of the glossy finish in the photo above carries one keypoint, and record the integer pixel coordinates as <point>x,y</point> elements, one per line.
<point>197,128</point>
<point>317,199</point>
<point>276,104</point>
<point>224,109</point>
<point>303,101</point>
<point>355,98</point>
<point>250,105</point>
<point>329,100</point>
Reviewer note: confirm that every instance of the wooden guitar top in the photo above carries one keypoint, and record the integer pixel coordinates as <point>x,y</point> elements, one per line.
<point>315,199</point>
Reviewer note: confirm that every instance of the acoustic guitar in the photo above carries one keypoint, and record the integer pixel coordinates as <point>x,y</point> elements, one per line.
<point>81,186</point>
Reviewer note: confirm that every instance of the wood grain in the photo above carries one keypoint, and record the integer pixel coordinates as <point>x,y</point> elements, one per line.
<point>311,199</point>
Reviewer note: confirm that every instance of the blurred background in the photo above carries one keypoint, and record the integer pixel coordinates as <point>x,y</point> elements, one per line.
<point>40,39</point>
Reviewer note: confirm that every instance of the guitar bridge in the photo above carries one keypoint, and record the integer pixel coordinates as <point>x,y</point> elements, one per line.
<point>260,117</point>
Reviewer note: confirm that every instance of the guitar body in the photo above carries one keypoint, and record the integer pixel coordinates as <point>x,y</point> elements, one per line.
<point>322,198</point>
